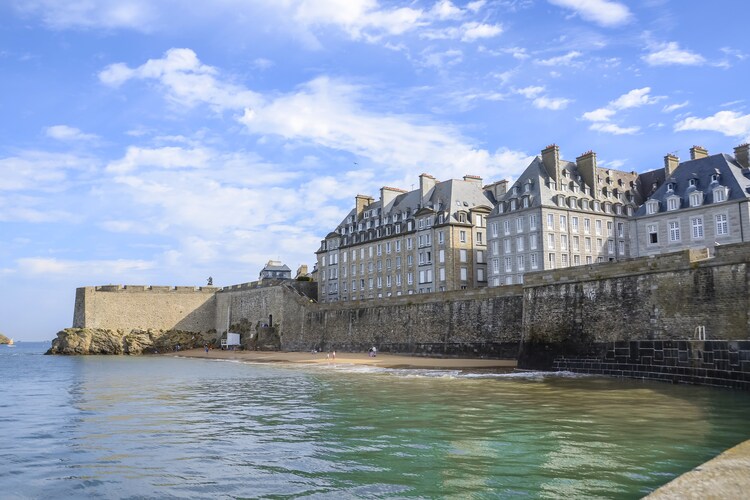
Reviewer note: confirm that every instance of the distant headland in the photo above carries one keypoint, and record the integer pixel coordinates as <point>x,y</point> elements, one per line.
<point>4,339</point>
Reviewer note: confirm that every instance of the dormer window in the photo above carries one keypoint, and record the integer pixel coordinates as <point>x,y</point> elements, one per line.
<point>596,206</point>
<point>673,203</point>
<point>513,204</point>
<point>720,194</point>
<point>696,199</point>
<point>585,204</point>
<point>692,182</point>
<point>525,202</point>
<point>501,207</point>
<point>527,187</point>
<point>715,177</point>
<point>652,206</point>
<point>670,187</point>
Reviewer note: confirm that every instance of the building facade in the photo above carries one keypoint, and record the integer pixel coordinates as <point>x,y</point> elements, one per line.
<point>560,214</point>
<point>426,240</point>
<point>703,202</point>
<point>275,270</point>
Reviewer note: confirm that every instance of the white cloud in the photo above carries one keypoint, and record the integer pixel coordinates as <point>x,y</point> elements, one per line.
<point>670,53</point>
<point>611,128</point>
<point>476,6</point>
<point>187,80</point>
<point>443,59</point>
<point>167,157</point>
<point>106,268</point>
<point>130,14</point>
<point>603,12</point>
<point>543,101</point>
<point>674,107</point>
<point>474,31</point>
<point>729,123</point>
<point>568,59</point>
<point>602,117</point>
<point>445,9</point>
<point>67,133</point>
<point>41,171</point>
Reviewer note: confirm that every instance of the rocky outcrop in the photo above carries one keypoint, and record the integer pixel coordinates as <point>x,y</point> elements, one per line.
<point>4,339</point>
<point>101,341</point>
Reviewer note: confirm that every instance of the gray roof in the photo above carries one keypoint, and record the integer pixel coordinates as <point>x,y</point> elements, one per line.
<point>730,173</point>
<point>273,267</point>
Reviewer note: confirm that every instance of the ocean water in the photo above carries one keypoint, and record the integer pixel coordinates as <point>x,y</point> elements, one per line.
<point>163,427</point>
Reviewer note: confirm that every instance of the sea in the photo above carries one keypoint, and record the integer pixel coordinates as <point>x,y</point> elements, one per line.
<point>168,427</point>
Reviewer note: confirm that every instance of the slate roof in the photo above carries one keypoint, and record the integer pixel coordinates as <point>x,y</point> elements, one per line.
<point>730,175</point>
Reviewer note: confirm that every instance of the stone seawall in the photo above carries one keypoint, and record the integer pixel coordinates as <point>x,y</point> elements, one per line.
<point>583,318</point>
<point>476,323</point>
<point>135,307</point>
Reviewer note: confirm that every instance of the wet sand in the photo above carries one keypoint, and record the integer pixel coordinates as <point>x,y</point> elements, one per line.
<point>352,358</point>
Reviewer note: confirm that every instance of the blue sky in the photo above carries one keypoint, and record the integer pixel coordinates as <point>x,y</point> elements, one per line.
<point>162,142</point>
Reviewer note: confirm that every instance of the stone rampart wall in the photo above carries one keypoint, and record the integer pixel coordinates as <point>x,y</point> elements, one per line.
<point>132,307</point>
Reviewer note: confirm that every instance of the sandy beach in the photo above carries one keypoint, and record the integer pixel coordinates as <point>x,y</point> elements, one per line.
<point>352,358</point>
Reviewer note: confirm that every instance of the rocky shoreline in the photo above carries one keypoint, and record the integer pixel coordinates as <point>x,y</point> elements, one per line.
<point>4,339</point>
<point>83,341</point>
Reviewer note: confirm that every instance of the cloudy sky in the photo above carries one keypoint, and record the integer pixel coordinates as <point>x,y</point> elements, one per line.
<point>162,142</point>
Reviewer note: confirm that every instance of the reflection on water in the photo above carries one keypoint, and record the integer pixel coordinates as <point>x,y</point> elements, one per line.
<point>154,426</point>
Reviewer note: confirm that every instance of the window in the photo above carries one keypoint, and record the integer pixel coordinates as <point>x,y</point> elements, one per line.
<point>409,278</point>
<point>462,256</point>
<point>550,221</point>
<point>574,224</point>
<point>519,262</point>
<point>506,227</point>
<point>463,274</point>
<point>380,249</point>
<point>388,247</point>
<point>441,256</point>
<point>563,223</point>
<point>519,225</point>
<point>564,242</point>
<point>588,259</point>
<point>480,274</point>
<point>587,243</point>
<point>576,244</point>
<point>673,203</point>
<point>479,238</point>
<point>480,256</point>
<point>532,260</point>
<point>652,206</point>
<point>398,280</point>
<point>674,231</point>
<point>610,230</point>
<point>696,199</point>
<point>620,230</point>
<point>610,247</point>
<point>409,243</point>
<point>441,238</point>
<point>551,241</point>
<point>508,264</point>
<point>551,260</point>
<point>441,274</point>
<point>519,244</point>
<point>409,260</point>
<point>598,227</point>
<point>722,225</point>
<point>576,260</point>
<point>506,245</point>
<point>379,282</point>
<point>653,234</point>
<point>720,194</point>
<point>532,222</point>
<point>495,247</point>
<point>564,260</point>
<point>533,241</point>
<point>696,225</point>
<point>495,266</point>
<point>494,229</point>
<point>587,226</point>
<point>398,245</point>
<point>621,247</point>
<point>462,236</point>
<point>398,262</point>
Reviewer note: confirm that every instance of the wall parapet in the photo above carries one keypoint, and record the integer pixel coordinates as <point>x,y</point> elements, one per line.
<point>150,288</point>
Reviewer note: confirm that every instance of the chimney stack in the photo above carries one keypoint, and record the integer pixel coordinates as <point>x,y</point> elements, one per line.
<point>742,155</point>
<point>387,195</point>
<point>551,160</point>
<point>426,182</point>
<point>361,202</point>
<point>586,164</point>
<point>670,164</point>
<point>697,152</point>
<point>498,188</point>
<point>473,178</point>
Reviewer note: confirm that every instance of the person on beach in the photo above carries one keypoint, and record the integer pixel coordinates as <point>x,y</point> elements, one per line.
<point>206,346</point>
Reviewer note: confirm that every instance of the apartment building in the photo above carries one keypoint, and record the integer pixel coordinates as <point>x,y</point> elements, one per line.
<point>426,240</point>
<point>560,213</point>
<point>703,202</point>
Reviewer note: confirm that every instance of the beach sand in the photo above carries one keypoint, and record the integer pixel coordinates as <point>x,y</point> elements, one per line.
<point>352,358</point>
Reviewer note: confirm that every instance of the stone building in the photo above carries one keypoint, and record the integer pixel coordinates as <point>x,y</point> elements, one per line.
<point>703,202</point>
<point>275,270</point>
<point>559,214</point>
<point>421,241</point>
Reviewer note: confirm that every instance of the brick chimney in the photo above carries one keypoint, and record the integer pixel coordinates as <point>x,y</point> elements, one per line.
<point>551,160</point>
<point>698,152</point>
<point>742,155</point>
<point>473,178</point>
<point>361,202</point>
<point>586,164</point>
<point>670,164</point>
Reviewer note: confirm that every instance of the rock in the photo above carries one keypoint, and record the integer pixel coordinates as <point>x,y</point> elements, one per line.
<point>4,339</point>
<point>134,342</point>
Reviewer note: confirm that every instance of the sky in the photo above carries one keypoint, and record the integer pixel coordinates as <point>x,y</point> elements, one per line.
<point>160,142</point>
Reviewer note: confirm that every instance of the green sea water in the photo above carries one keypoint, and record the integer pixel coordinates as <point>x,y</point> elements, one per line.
<point>161,427</point>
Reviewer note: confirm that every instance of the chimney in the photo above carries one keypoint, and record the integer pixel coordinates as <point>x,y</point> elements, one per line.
<point>551,160</point>
<point>426,182</point>
<point>698,152</point>
<point>586,165</point>
<point>473,178</point>
<point>498,188</point>
<point>387,195</point>
<point>742,155</point>
<point>670,165</point>
<point>361,202</point>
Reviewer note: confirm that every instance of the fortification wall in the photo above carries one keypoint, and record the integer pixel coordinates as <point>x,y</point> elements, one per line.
<point>484,322</point>
<point>130,307</point>
<point>584,318</point>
